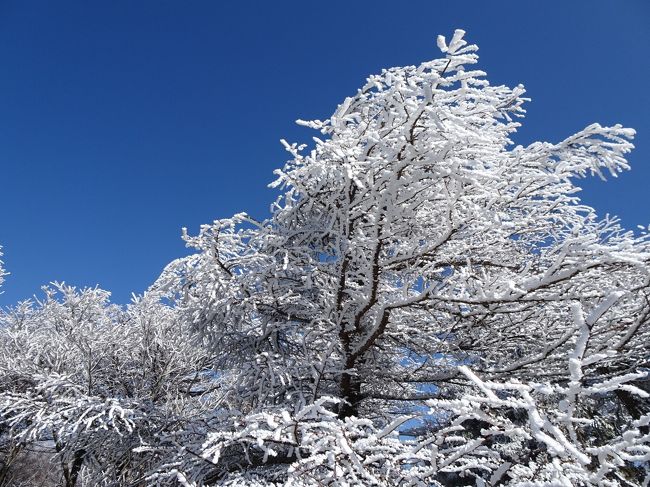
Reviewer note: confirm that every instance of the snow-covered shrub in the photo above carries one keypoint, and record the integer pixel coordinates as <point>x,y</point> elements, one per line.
<point>95,381</point>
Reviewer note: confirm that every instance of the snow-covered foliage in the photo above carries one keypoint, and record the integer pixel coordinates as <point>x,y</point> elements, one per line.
<point>3,273</point>
<point>428,304</point>
<point>530,434</point>
<point>94,381</point>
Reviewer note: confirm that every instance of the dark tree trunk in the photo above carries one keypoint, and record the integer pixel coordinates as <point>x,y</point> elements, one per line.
<point>71,472</point>
<point>350,391</point>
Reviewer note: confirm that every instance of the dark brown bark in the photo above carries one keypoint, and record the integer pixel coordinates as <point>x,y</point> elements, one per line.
<point>351,393</point>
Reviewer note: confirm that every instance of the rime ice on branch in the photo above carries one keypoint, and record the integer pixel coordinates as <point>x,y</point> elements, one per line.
<point>3,273</point>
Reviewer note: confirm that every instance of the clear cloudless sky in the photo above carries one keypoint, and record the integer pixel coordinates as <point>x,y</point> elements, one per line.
<point>123,121</point>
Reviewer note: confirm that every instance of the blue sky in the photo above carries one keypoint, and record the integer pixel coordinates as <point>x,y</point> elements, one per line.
<point>122,121</point>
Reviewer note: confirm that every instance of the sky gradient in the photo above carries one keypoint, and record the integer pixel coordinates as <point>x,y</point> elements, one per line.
<point>122,121</point>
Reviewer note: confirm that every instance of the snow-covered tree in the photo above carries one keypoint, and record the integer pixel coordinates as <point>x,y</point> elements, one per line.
<point>413,242</point>
<point>85,382</point>
<point>3,273</point>
<point>428,304</point>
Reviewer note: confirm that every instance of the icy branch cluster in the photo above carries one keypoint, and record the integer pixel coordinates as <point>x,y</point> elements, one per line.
<point>3,273</point>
